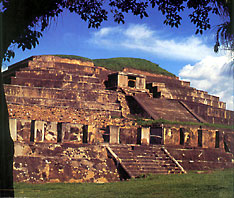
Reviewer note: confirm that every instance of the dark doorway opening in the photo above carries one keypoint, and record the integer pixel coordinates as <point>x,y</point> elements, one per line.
<point>139,136</point>
<point>182,131</point>
<point>156,135</point>
<point>132,81</point>
<point>217,139</point>
<point>32,131</point>
<point>85,134</point>
<point>59,132</point>
<point>200,138</point>
<point>106,134</point>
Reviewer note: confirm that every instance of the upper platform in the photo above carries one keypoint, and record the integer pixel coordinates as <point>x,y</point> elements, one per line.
<point>52,82</point>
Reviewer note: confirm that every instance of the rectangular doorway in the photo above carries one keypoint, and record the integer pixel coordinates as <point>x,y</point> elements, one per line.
<point>156,135</point>
<point>182,130</point>
<point>85,134</point>
<point>32,131</point>
<point>217,139</point>
<point>200,138</point>
<point>139,136</point>
<point>59,132</point>
<point>106,134</point>
<point>132,81</point>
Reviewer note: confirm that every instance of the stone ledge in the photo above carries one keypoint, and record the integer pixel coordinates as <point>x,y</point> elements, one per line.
<point>56,76</point>
<point>34,82</point>
<point>63,103</point>
<point>57,59</point>
<point>58,94</point>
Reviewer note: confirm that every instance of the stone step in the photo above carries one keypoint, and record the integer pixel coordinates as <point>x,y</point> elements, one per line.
<point>126,157</point>
<point>153,165</point>
<point>129,161</point>
<point>147,148</point>
<point>61,65</point>
<point>101,96</point>
<point>62,103</point>
<point>144,160</point>
<point>82,71</point>
<point>162,158</point>
<point>139,173</point>
<point>147,151</point>
<point>131,166</point>
<point>152,168</point>
<point>48,83</point>
<point>58,76</point>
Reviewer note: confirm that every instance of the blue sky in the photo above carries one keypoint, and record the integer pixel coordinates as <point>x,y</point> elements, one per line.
<point>179,51</point>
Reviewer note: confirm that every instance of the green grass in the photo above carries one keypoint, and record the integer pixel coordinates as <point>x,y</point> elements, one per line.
<point>218,184</point>
<point>143,122</point>
<point>117,64</point>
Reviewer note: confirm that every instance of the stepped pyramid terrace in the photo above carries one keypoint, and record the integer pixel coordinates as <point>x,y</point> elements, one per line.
<point>74,121</point>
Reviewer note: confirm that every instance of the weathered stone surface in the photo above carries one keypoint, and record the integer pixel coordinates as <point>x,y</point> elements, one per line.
<point>145,135</point>
<point>23,130</point>
<point>13,128</point>
<point>172,136</point>
<point>50,133</point>
<point>205,105</point>
<point>61,112</point>
<point>63,163</point>
<point>202,159</point>
<point>165,109</point>
<point>128,136</point>
<point>65,114</point>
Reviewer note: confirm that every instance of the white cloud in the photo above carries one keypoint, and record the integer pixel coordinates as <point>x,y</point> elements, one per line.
<point>106,31</point>
<point>138,32</point>
<point>141,37</point>
<point>212,74</point>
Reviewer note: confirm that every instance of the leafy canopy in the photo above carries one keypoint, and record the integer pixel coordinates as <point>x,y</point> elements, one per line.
<point>23,21</point>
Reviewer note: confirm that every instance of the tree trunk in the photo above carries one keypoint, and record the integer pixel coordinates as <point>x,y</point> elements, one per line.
<point>6,146</point>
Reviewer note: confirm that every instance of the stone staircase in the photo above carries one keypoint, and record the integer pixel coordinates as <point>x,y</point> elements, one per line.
<point>52,82</point>
<point>142,160</point>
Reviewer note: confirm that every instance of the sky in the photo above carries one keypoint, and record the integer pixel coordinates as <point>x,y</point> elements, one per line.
<point>178,50</point>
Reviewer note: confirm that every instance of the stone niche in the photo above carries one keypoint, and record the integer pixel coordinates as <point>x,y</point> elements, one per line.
<point>22,130</point>
<point>126,80</point>
<point>128,136</point>
<point>193,137</point>
<point>73,133</point>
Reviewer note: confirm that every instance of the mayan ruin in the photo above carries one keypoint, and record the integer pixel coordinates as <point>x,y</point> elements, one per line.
<point>73,121</point>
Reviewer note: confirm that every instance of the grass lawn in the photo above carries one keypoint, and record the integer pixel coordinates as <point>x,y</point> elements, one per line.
<point>117,64</point>
<point>216,184</point>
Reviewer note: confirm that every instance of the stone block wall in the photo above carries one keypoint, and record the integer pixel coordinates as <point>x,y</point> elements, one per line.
<point>188,136</point>
<point>29,131</point>
<point>23,130</point>
<point>41,163</point>
<point>126,80</point>
<point>128,136</point>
